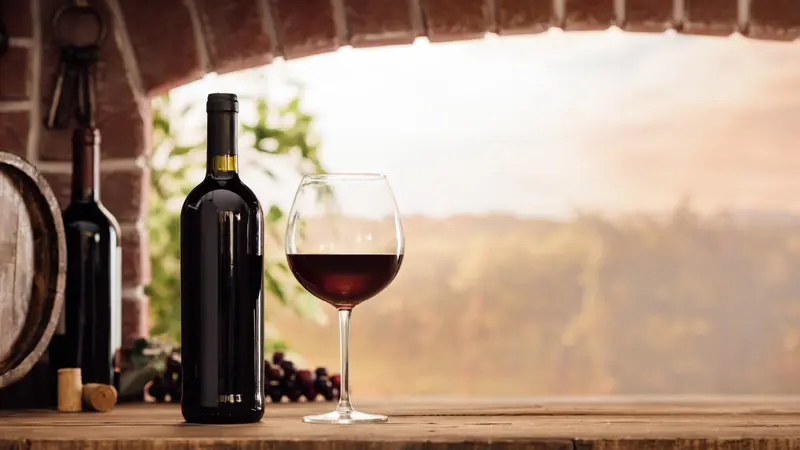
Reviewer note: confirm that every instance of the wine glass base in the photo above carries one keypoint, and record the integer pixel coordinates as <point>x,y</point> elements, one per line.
<point>346,418</point>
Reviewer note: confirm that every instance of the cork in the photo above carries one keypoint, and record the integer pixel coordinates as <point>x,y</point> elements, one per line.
<point>99,397</point>
<point>69,390</point>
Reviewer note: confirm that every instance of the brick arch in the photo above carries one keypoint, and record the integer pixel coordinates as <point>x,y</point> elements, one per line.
<point>213,36</point>
<point>155,45</point>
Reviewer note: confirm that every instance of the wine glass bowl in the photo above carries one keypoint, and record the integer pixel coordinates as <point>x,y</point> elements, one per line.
<point>344,245</point>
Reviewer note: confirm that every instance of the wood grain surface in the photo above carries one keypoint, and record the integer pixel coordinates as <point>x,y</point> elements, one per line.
<point>32,266</point>
<point>16,264</point>
<point>757,423</point>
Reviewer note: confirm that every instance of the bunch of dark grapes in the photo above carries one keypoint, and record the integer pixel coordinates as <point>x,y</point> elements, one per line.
<point>282,379</point>
<point>168,383</point>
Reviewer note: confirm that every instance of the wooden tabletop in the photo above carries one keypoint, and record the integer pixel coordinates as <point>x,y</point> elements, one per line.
<point>431,424</point>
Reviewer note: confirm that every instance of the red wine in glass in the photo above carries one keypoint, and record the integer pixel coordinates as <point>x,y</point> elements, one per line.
<point>344,280</point>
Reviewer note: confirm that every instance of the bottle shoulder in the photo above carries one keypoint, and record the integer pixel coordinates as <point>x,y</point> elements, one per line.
<point>110,217</point>
<point>90,215</point>
<point>224,193</point>
<point>89,212</point>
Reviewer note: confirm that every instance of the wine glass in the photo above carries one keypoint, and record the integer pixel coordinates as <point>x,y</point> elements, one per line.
<point>344,244</point>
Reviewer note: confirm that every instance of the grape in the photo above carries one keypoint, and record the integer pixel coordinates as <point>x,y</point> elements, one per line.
<point>291,385</point>
<point>158,388</point>
<point>294,395</point>
<point>336,385</point>
<point>173,366</point>
<point>272,373</point>
<point>175,392</point>
<point>310,392</point>
<point>277,357</point>
<point>288,367</point>
<point>323,387</point>
<point>306,384</point>
<point>321,372</point>
<point>305,376</point>
<point>275,393</point>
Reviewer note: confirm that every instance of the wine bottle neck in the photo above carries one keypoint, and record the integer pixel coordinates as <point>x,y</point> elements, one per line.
<point>222,144</point>
<point>86,165</point>
<point>222,164</point>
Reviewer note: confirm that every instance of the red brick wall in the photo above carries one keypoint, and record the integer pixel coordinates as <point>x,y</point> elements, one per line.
<point>155,45</point>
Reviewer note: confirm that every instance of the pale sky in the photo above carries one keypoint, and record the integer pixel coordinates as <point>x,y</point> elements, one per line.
<point>541,125</point>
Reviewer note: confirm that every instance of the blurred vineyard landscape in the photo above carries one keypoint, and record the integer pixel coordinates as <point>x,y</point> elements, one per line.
<point>491,146</point>
<point>495,305</point>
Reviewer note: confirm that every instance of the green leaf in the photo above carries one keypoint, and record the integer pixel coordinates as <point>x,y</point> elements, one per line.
<point>275,288</point>
<point>161,123</point>
<point>180,150</point>
<point>275,345</point>
<point>274,214</point>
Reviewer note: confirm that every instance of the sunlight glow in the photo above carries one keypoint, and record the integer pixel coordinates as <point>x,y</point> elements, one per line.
<point>544,124</point>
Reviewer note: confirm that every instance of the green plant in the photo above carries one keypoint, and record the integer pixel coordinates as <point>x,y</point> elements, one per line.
<point>283,132</point>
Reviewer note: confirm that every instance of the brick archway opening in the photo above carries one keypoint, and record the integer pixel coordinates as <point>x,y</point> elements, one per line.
<point>154,45</point>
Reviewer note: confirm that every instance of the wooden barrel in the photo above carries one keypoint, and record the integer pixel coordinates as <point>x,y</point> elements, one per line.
<point>33,261</point>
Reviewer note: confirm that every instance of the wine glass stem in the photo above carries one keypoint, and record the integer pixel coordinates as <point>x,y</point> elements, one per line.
<point>344,361</point>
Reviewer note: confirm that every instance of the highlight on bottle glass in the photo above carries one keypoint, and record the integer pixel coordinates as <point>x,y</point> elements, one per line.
<point>344,245</point>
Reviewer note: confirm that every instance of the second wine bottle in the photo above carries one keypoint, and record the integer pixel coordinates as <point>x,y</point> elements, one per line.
<point>222,284</point>
<point>89,333</point>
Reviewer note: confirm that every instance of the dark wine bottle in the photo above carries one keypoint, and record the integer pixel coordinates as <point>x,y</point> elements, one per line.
<point>222,284</point>
<point>89,332</point>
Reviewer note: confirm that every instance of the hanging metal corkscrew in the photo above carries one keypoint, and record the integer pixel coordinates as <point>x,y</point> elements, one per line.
<point>73,90</point>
